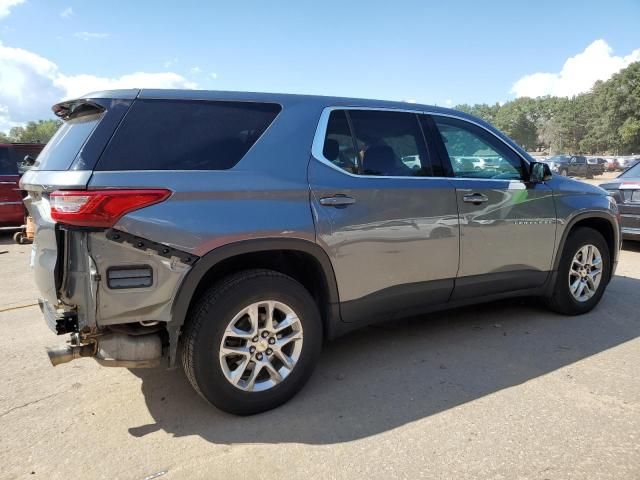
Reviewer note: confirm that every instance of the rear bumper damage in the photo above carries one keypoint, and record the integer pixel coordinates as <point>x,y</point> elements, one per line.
<point>114,298</point>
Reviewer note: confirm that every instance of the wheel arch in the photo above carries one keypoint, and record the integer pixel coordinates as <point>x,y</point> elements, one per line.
<point>602,222</point>
<point>303,260</point>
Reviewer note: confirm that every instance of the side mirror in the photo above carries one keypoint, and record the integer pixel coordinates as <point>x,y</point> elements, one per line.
<point>539,172</point>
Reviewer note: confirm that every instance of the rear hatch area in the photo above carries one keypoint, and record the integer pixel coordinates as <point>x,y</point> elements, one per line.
<point>60,262</point>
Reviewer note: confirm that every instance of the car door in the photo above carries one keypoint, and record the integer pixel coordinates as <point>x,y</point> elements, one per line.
<point>383,212</point>
<point>507,225</point>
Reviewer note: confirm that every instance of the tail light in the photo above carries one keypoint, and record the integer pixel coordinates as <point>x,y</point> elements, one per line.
<point>100,208</point>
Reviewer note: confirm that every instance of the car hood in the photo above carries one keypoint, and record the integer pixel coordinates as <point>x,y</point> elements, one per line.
<point>560,184</point>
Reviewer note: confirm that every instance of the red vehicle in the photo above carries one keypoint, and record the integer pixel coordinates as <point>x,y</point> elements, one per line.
<point>12,165</point>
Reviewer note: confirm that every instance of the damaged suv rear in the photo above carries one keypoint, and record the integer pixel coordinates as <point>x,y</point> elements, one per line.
<point>110,288</point>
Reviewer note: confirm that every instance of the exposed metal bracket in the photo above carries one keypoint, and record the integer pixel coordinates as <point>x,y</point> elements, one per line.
<point>144,244</point>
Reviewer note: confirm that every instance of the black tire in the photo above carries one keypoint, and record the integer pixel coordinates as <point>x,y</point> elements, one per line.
<point>561,300</point>
<point>208,321</point>
<point>589,174</point>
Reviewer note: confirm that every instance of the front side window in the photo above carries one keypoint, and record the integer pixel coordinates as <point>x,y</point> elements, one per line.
<point>473,153</point>
<point>379,143</point>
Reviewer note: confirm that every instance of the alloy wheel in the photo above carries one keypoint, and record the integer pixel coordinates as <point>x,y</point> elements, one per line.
<point>585,273</point>
<point>261,346</point>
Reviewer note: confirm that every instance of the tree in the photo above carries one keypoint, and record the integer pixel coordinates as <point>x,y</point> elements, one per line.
<point>514,119</point>
<point>35,132</point>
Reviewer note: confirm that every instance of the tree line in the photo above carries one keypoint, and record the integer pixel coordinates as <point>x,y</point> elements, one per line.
<point>605,120</point>
<point>33,132</point>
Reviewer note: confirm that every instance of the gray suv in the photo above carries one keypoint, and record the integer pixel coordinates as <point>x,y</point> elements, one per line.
<point>239,231</point>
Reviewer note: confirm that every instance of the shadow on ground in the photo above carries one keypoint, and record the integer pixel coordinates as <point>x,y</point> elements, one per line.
<point>380,378</point>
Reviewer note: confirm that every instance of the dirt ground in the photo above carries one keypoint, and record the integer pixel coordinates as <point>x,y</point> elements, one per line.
<point>504,391</point>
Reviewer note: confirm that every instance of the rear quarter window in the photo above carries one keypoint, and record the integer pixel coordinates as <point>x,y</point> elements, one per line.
<point>61,150</point>
<point>186,135</point>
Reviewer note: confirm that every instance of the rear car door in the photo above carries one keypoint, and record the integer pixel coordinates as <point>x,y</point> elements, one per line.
<point>507,225</point>
<point>384,213</point>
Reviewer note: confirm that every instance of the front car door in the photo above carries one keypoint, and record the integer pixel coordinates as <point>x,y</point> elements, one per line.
<point>383,212</point>
<point>507,225</point>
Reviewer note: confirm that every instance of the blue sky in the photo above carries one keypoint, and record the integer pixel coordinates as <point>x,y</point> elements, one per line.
<point>432,52</point>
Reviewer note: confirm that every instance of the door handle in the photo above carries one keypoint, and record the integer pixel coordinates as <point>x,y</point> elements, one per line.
<point>337,201</point>
<point>475,198</point>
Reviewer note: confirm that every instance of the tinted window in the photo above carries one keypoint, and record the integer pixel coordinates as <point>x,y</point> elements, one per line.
<point>474,153</point>
<point>63,147</point>
<point>186,135</point>
<point>390,143</point>
<point>339,147</point>
<point>7,165</point>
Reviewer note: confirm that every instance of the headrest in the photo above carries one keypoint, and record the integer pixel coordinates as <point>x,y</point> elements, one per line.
<point>379,160</point>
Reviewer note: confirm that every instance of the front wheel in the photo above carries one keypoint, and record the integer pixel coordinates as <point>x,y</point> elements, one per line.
<point>583,273</point>
<point>252,341</point>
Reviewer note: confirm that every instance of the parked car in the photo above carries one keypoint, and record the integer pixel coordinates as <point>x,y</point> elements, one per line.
<point>575,166</point>
<point>251,227</point>
<point>626,191</point>
<point>12,165</point>
<point>627,162</point>
<point>612,164</point>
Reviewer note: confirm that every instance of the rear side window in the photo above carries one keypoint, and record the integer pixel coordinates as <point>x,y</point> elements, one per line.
<point>339,147</point>
<point>388,143</point>
<point>186,135</point>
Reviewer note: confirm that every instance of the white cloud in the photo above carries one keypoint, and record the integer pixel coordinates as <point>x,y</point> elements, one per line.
<point>90,35</point>
<point>214,75</point>
<point>578,73</point>
<point>448,102</point>
<point>170,63</point>
<point>30,84</point>
<point>195,70</point>
<point>7,5</point>
<point>67,13</point>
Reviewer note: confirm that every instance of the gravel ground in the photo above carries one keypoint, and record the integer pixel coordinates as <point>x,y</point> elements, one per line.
<point>503,390</point>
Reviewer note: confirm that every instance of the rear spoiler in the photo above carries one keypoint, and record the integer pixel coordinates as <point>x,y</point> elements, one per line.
<point>76,108</point>
<point>87,104</point>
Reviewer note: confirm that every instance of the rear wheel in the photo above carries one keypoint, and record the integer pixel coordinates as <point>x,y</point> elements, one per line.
<point>252,342</point>
<point>583,273</point>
